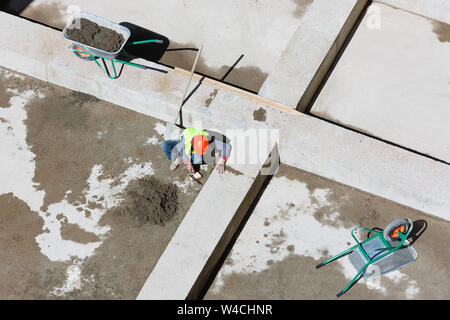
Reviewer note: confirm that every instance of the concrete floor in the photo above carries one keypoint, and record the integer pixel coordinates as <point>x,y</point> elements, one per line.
<point>70,162</point>
<point>226,29</point>
<point>69,166</point>
<point>393,81</point>
<point>303,219</point>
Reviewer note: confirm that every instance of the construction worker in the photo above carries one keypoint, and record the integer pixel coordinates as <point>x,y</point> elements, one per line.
<point>196,147</point>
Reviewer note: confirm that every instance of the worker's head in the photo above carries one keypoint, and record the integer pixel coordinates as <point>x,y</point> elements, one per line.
<point>200,144</point>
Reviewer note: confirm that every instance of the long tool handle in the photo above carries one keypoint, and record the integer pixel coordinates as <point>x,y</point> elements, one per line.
<point>189,83</point>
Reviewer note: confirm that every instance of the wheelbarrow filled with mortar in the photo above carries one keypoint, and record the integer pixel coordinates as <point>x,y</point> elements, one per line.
<point>387,250</point>
<point>109,41</point>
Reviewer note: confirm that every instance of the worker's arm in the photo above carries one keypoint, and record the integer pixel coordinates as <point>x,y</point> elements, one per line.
<point>186,159</point>
<point>225,150</point>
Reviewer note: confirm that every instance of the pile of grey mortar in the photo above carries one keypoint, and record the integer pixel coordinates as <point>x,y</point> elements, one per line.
<point>93,35</point>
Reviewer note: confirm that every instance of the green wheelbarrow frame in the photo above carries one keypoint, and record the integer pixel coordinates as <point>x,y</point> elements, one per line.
<point>383,252</point>
<point>105,69</point>
<point>87,52</point>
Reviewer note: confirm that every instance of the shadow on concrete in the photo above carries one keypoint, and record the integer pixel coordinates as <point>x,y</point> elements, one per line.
<point>419,227</point>
<point>14,6</point>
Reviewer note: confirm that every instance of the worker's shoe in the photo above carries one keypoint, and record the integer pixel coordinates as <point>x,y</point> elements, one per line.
<point>175,164</point>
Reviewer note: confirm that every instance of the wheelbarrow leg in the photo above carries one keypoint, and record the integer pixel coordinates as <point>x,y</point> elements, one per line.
<point>343,253</point>
<point>350,284</point>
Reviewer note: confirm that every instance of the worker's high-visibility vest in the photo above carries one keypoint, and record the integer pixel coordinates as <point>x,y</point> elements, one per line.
<point>189,134</point>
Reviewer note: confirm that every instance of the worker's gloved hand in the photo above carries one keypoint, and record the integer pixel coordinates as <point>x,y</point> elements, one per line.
<point>221,166</point>
<point>189,166</point>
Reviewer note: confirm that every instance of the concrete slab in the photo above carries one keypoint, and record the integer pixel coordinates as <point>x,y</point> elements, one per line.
<point>309,54</point>
<point>72,169</point>
<point>393,83</point>
<point>301,220</point>
<point>194,251</point>
<point>227,30</point>
<point>305,142</point>
<point>434,9</point>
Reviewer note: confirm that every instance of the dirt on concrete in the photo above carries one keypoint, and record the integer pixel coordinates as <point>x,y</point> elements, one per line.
<point>260,115</point>
<point>301,7</point>
<point>69,134</point>
<point>24,272</point>
<point>91,34</point>
<point>247,77</point>
<point>295,276</point>
<point>442,31</point>
<point>149,201</point>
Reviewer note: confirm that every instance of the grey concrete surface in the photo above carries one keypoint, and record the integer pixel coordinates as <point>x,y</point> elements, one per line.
<point>393,82</point>
<point>303,219</point>
<point>310,53</point>
<point>305,142</point>
<point>434,9</point>
<point>194,251</point>
<point>71,169</point>
<point>259,30</point>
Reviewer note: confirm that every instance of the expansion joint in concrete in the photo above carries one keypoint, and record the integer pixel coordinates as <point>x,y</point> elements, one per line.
<point>332,57</point>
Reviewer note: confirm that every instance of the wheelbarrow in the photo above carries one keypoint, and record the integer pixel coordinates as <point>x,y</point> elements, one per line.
<point>89,53</point>
<point>387,250</point>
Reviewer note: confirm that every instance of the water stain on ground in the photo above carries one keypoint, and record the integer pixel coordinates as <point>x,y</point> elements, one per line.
<point>260,115</point>
<point>248,77</point>
<point>25,273</point>
<point>233,171</point>
<point>5,96</point>
<point>63,132</point>
<point>48,13</point>
<point>302,6</point>
<point>74,233</point>
<point>442,31</point>
<point>355,208</point>
<point>211,97</point>
<point>296,278</point>
<point>63,162</point>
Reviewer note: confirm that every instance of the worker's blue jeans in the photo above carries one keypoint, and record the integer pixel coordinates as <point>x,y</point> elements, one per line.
<point>168,148</point>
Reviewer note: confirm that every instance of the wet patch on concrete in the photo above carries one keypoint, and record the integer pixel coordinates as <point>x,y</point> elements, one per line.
<point>260,115</point>
<point>4,96</point>
<point>302,6</point>
<point>74,233</point>
<point>308,218</point>
<point>442,31</point>
<point>50,13</point>
<point>248,77</point>
<point>82,176</point>
<point>233,171</point>
<point>211,97</point>
<point>296,278</point>
<point>64,163</point>
<point>25,272</point>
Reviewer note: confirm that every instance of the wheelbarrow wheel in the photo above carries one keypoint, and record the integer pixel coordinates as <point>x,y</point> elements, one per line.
<point>81,55</point>
<point>391,231</point>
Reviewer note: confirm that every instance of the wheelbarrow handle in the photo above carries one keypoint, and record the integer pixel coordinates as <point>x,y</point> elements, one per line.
<point>145,41</point>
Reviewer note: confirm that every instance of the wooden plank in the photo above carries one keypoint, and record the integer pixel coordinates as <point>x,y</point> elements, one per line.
<point>249,95</point>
